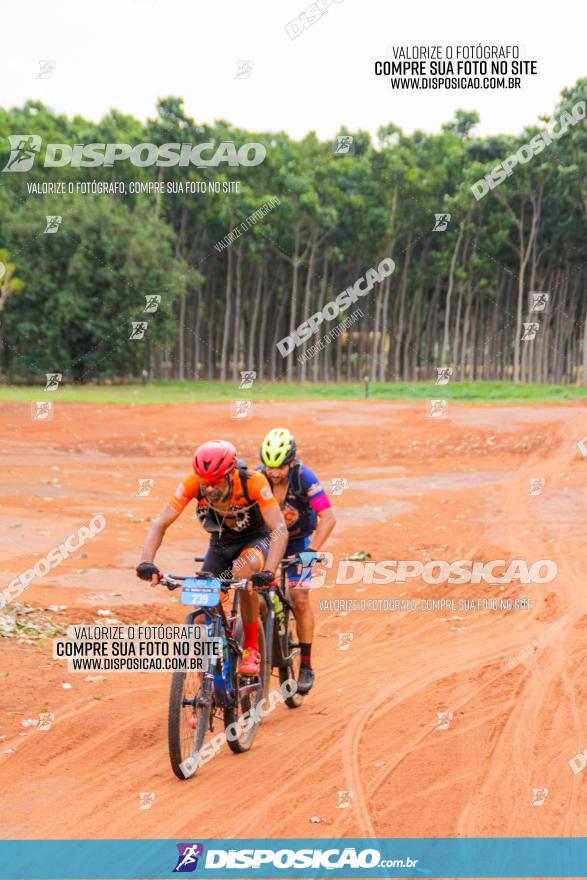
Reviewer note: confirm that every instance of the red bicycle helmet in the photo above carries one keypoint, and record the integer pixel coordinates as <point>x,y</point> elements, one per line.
<point>214,460</point>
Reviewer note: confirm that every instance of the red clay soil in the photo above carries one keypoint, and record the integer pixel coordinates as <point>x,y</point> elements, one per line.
<point>419,488</point>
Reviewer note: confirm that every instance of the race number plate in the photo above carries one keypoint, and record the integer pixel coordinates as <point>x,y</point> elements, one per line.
<point>204,592</point>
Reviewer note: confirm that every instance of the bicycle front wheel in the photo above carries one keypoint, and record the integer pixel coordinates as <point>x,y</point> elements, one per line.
<point>188,721</point>
<point>293,659</point>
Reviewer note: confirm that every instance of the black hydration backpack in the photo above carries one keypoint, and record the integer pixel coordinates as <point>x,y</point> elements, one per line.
<point>294,482</point>
<point>243,473</point>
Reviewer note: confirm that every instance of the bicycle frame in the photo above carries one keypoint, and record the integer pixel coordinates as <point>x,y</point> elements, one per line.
<point>270,593</point>
<point>217,681</point>
<point>220,691</point>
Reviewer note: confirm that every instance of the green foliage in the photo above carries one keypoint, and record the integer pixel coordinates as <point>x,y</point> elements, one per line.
<point>86,283</point>
<point>208,392</point>
<point>74,294</point>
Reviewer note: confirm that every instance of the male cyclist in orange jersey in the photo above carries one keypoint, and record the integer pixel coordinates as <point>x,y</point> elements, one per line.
<point>247,529</point>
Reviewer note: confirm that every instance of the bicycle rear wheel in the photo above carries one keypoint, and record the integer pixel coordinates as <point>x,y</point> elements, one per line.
<point>248,693</point>
<point>293,654</point>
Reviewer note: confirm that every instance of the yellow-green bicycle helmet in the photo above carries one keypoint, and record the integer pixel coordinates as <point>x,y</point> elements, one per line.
<point>278,448</point>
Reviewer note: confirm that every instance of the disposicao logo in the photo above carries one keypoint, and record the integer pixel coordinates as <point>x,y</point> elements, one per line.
<point>188,855</point>
<point>24,148</point>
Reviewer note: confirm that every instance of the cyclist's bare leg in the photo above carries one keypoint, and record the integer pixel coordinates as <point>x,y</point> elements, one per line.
<point>305,629</point>
<point>300,599</point>
<point>249,562</point>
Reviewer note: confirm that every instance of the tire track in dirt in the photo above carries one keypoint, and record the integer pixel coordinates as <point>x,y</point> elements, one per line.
<point>103,760</point>
<point>362,724</point>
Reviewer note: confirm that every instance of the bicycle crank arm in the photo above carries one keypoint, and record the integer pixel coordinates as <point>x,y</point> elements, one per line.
<point>249,689</point>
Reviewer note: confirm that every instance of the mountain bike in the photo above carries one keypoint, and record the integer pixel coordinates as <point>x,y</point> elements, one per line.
<point>198,699</point>
<point>282,648</point>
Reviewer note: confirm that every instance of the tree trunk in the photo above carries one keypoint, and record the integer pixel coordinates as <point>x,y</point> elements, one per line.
<point>321,300</point>
<point>254,320</point>
<point>451,275</point>
<point>294,299</point>
<point>182,305</point>
<point>237,333</point>
<point>401,310</point>
<point>197,325</point>
<point>306,309</point>
<point>227,313</point>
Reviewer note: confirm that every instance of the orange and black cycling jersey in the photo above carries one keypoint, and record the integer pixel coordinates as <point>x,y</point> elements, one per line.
<point>237,516</point>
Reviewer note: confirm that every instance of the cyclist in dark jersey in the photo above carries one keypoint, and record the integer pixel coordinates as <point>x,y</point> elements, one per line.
<point>309,518</point>
<point>247,530</point>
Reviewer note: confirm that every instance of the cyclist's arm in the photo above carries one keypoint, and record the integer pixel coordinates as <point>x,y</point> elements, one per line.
<point>326,522</point>
<point>320,504</point>
<point>260,491</point>
<point>187,489</point>
<point>278,538</point>
<point>155,536</point>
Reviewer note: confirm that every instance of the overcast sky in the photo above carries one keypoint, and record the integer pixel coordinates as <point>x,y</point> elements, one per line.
<point>128,53</point>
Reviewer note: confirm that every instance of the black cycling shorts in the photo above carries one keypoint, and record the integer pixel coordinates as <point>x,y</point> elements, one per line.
<point>221,556</point>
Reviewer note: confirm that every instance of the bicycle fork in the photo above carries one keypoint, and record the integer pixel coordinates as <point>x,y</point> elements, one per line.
<point>269,628</point>
<point>208,691</point>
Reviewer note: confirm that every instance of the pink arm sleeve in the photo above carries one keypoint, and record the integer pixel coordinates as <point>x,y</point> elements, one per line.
<point>321,502</point>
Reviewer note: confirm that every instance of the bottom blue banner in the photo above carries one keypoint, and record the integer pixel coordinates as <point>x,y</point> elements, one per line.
<point>312,858</point>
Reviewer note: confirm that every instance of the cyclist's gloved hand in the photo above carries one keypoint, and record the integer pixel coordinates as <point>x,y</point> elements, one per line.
<point>146,571</point>
<point>308,557</point>
<point>263,578</point>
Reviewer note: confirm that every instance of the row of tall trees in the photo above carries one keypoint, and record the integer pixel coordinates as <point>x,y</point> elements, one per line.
<point>459,295</point>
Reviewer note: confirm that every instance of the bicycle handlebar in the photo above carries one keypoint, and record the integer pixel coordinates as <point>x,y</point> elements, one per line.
<point>287,560</point>
<point>173,581</point>
<point>292,560</point>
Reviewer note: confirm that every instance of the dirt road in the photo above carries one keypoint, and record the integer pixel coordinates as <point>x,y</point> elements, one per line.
<point>419,488</point>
